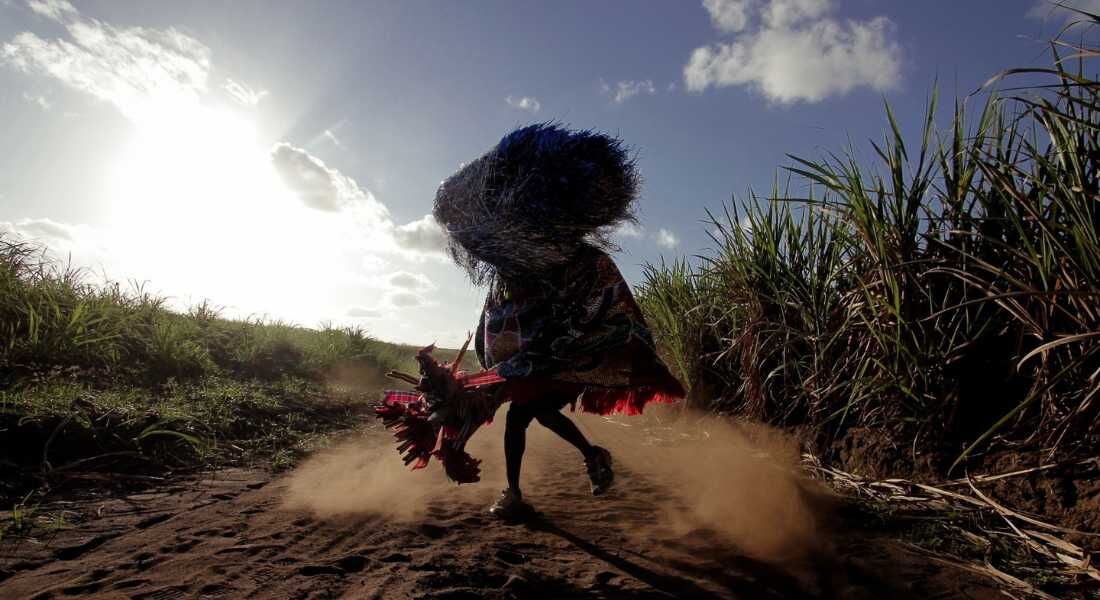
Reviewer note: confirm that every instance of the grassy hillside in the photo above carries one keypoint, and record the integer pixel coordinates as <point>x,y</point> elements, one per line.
<point>101,378</point>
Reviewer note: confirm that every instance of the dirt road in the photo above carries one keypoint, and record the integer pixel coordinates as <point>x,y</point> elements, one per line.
<point>244,533</point>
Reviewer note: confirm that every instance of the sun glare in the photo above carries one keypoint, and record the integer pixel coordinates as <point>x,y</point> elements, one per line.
<point>195,195</point>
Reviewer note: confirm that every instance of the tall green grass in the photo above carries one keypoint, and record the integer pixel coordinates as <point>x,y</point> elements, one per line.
<point>51,318</point>
<point>948,291</point>
<point>105,377</point>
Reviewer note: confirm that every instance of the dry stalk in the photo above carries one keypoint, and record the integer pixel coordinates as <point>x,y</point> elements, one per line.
<point>1055,553</point>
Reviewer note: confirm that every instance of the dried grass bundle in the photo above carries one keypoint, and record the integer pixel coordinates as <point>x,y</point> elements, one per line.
<point>535,200</point>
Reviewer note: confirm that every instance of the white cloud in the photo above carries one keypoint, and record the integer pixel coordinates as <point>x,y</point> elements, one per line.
<point>373,263</point>
<point>662,237</point>
<point>730,15</point>
<point>79,244</point>
<point>317,185</point>
<point>625,90</point>
<point>135,68</point>
<point>629,230</point>
<point>283,233</point>
<point>405,300</point>
<point>411,281</point>
<point>148,73</point>
<point>784,13</point>
<point>326,189</point>
<point>331,137</point>
<point>527,103</point>
<point>360,312</point>
<point>42,102</point>
<point>43,230</point>
<point>797,53</point>
<point>58,10</point>
<point>422,235</point>
<point>243,94</point>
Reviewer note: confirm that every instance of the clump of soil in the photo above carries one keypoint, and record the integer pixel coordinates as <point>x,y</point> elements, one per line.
<point>1068,495</point>
<point>876,453</point>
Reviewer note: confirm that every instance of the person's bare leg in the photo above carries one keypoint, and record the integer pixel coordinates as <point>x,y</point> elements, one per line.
<point>510,505</point>
<point>566,429</point>
<point>597,460</point>
<point>515,441</point>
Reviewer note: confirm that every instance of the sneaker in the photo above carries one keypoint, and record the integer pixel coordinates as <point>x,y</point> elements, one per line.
<point>509,506</point>
<point>599,470</point>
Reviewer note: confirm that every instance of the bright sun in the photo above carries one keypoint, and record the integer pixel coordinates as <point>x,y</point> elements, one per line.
<point>195,195</point>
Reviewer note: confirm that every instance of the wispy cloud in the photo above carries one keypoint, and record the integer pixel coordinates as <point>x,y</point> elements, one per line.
<point>195,161</point>
<point>244,94</point>
<point>629,230</point>
<point>44,230</point>
<point>133,68</point>
<point>527,103</point>
<point>372,263</point>
<point>666,239</point>
<point>663,237</point>
<point>411,281</point>
<point>360,312</point>
<point>729,15</point>
<point>63,241</point>
<point>38,99</point>
<point>317,185</point>
<point>398,290</point>
<point>625,90</point>
<point>326,189</point>
<point>330,136</point>
<point>423,235</point>
<point>58,10</point>
<point>405,300</point>
<point>793,51</point>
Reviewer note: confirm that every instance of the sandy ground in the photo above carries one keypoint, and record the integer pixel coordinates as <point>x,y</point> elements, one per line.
<point>720,515</point>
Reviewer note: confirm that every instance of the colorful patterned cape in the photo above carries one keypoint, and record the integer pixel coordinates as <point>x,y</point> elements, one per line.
<point>584,328</point>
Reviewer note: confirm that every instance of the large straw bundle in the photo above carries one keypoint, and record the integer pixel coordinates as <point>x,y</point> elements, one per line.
<point>533,201</point>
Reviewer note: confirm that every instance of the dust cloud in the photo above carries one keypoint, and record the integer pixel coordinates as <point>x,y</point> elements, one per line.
<point>736,478</point>
<point>365,475</point>
<point>356,378</point>
<point>690,474</point>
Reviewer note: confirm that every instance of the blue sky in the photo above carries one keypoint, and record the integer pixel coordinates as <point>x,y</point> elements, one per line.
<point>279,158</point>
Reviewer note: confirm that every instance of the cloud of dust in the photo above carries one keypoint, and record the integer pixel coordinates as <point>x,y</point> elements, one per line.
<point>736,478</point>
<point>365,475</point>
<point>697,472</point>
<point>356,378</point>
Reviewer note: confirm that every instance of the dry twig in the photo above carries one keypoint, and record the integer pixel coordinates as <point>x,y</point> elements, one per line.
<point>1053,552</point>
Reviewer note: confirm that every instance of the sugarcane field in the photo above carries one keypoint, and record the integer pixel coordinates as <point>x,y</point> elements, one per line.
<point>732,299</point>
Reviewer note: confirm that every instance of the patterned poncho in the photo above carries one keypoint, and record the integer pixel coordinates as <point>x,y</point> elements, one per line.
<point>587,331</point>
<point>530,218</point>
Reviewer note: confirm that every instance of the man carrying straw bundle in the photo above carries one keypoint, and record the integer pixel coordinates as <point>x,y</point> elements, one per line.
<point>529,220</point>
